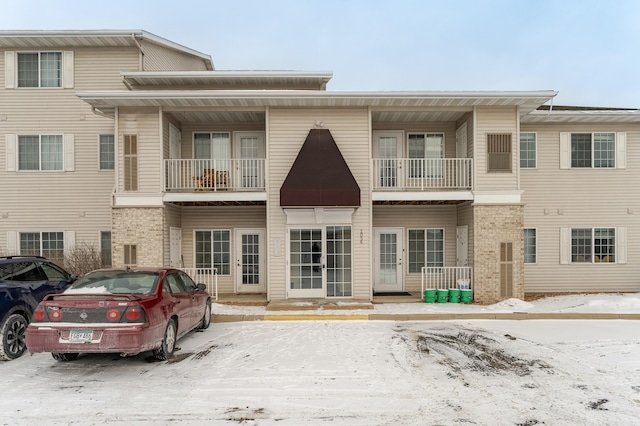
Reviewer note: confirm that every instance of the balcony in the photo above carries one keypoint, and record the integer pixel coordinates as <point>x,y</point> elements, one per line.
<point>206,176</point>
<point>422,174</point>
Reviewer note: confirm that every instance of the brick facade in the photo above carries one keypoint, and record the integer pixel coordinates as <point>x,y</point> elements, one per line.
<point>493,225</point>
<point>142,226</point>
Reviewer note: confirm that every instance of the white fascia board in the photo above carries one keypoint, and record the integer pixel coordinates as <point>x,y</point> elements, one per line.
<point>186,197</point>
<point>422,196</point>
<point>137,200</point>
<point>498,197</point>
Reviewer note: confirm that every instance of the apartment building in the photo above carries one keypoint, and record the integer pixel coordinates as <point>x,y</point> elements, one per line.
<point>276,186</point>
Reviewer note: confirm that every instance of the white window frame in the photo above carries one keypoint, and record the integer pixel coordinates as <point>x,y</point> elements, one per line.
<point>426,251</point>
<point>100,151</point>
<point>41,242</point>
<point>39,53</point>
<point>620,245</point>
<point>220,267</point>
<point>535,246</point>
<point>40,169</point>
<point>619,154</point>
<point>426,171</point>
<point>535,151</point>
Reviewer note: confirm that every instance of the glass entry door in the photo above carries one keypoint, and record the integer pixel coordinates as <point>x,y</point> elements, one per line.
<point>250,269</point>
<point>320,262</point>
<point>388,260</point>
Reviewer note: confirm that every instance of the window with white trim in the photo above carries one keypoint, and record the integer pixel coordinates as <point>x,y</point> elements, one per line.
<point>47,244</point>
<point>426,248</point>
<point>528,150</point>
<point>106,146</point>
<point>426,151</point>
<point>593,150</point>
<point>40,69</point>
<point>530,245</point>
<point>593,245</point>
<point>213,250</point>
<point>40,152</point>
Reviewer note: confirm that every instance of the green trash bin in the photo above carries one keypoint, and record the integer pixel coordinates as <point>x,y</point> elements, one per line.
<point>454,295</point>
<point>430,295</point>
<point>466,295</point>
<point>443,295</point>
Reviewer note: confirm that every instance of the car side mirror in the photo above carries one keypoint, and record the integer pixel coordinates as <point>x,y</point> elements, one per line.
<point>201,286</point>
<point>73,277</point>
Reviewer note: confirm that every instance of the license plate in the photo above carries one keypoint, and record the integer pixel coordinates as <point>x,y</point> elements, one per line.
<point>80,336</point>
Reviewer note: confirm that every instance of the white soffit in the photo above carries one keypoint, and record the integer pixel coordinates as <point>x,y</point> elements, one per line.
<point>227,78</point>
<point>177,99</point>
<point>604,116</point>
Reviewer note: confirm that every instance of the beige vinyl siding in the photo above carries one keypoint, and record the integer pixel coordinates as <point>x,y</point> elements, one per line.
<point>160,58</point>
<point>287,131</point>
<point>501,121</point>
<point>468,120</point>
<point>585,198</point>
<point>223,218</point>
<point>99,69</point>
<point>145,124</point>
<point>419,217</point>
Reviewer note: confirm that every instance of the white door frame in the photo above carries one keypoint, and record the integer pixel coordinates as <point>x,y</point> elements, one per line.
<point>462,245</point>
<point>400,143</point>
<point>308,293</point>
<point>378,286</point>
<point>238,177</point>
<point>261,287</point>
<point>175,247</point>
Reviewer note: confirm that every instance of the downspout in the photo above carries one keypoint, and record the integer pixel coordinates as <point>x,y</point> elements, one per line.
<point>141,55</point>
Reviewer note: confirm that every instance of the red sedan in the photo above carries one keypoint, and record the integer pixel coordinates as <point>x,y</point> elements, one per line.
<point>126,311</point>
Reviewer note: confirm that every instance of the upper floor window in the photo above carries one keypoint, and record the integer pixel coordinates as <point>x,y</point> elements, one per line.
<point>498,152</point>
<point>212,145</point>
<point>425,152</point>
<point>40,69</point>
<point>597,150</point>
<point>130,162</point>
<point>107,152</point>
<point>528,150</point>
<point>40,152</point>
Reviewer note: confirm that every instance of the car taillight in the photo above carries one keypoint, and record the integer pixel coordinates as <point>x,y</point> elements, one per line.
<point>55,314</point>
<point>38,314</point>
<point>113,315</point>
<point>134,314</point>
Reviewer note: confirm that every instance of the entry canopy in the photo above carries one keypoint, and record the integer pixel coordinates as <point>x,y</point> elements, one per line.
<point>320,177</point>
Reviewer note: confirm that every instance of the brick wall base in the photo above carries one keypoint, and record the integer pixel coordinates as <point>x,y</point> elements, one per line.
<point>493,225</point>
<point>139,226</point>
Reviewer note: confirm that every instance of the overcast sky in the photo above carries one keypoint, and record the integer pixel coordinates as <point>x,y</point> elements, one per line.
<point>587,50</point>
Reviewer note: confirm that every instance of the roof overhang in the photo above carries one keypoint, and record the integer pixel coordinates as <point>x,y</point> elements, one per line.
<point>90,38</point>
<point>317,79</point>
<point>589,116</point>
<point>179,100</point>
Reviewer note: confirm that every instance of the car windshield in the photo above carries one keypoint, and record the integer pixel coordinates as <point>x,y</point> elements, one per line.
<point>116,282</point>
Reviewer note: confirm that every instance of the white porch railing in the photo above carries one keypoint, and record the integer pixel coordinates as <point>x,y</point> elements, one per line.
<point>446,277</point>
<point>206,276</point>
<point>419,174</point>
<point>247,174</point>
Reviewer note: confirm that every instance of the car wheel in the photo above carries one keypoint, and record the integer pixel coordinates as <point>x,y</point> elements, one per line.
<point>206,318</point>
<point>64,357</point>
<point>165,351</point>
<point>12,340</point>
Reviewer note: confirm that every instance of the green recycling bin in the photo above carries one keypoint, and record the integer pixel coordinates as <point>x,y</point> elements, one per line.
<point>430,295</point>
<point>466,295</point>
<point>443,295</point>
<point>454,295</point>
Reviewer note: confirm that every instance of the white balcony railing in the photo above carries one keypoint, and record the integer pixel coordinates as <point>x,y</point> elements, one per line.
<point>446,277</point>
<point>420,174</point>
<point>245,174</point>
<point>206,276</point>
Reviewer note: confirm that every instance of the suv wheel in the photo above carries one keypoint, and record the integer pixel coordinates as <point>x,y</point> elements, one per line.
<point>12,337</point>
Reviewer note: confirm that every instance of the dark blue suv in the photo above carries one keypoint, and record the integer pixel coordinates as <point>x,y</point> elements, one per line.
<point>24,282</point>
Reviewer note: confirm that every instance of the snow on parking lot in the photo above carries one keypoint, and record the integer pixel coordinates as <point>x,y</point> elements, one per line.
<point>473,372</point>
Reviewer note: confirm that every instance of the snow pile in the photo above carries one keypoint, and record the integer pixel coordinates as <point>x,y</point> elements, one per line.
<point>510,305</point>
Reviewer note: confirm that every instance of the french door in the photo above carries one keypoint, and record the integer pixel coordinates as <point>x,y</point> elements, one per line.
<point>320,262</point>
<point>250,151</point>
<point>388,259</point>
<point>388,151</point>
<point>250,261</point>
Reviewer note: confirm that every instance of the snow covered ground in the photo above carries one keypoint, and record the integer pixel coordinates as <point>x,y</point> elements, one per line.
<point>463,372</point>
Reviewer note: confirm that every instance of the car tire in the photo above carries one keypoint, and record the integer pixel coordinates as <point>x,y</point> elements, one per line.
<point>64,357</point>
<point>165,351</point>
<point>12,337</point>
<point>206,318</point>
